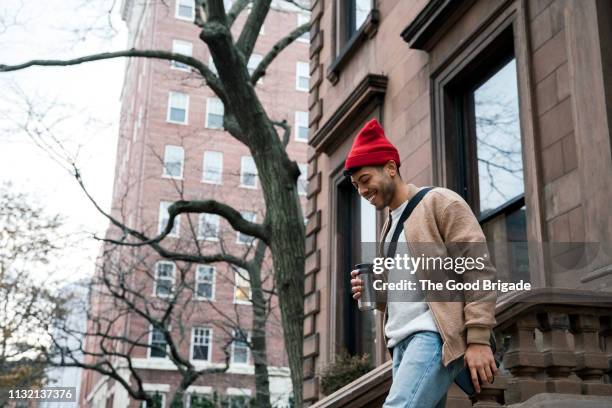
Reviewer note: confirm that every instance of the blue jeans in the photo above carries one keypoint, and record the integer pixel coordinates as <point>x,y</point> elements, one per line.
<point>419,377</point>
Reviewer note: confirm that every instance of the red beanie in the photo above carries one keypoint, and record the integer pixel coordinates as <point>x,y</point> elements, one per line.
<point>371,148</point>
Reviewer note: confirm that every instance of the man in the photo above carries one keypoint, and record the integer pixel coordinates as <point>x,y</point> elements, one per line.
<point>430,341</point>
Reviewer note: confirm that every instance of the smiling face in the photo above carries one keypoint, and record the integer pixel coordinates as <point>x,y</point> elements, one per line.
<point>376,183</point>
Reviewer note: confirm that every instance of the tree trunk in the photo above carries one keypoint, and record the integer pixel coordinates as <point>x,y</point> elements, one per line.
<point>258,341</point>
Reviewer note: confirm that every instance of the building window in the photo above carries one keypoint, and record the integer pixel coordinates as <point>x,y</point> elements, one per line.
<point>205,282</point>
<point>178,108</point>
<point>211,65</point>
<point>240,347</point>
<point>164,217</point>
<point>201,400</point>
<point>201,343</point>
<point>242,286</point>
<point>302,182</point>
<point>301,20</point>
<point>356,14</point>
<point>164,278</point>
<point>302,76</point>
<point>185,10</point>
<point>214,113</point>
<point>248,172</point>
<point>228,4</point>
<point>213,167</point>
<point>209,227</point>
<point>243,238</point>
<point>254,61</point>
<point>184,48</point>
<point>157,343</point>
<point>159,400</point>
<point>482,141</point>
<point>174,157</point>
<point>238,401</point>
<point>301,126</point>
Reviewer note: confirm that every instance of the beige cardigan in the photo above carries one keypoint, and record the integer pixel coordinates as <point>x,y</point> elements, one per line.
<point>443,217</point>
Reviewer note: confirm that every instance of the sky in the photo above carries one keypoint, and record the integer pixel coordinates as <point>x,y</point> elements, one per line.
<point>85,96</point>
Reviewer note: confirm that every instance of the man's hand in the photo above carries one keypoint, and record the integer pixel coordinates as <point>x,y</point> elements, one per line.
<point>479,359</point>
<point>356,285</point>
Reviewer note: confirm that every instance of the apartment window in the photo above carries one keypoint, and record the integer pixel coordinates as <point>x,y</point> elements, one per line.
<point>174,157</point>
<point>302,76</point>
<point>185,10</point>
<point>164,217</point>
<point>178,108</point>
<point>208,227</point>
<point>242,286</point>
<point>164,278</point>
<point>243,238</point>
<point>356,15</point>
<point>211,65</point>
<point>481,137</point>
<point>201,343</point>
<point>301,126</point>
<point>213,167</point>
<point>240,347</point>
<point>228,4</point>
<point>184,48</point>
<point>159,400</point>
<point>254,61</point>
<point>157,343</point>
<point>201,400</point>
<point>302,182</point>
<point>301,20</point>
<point>238,401</point>
<point>214,113</point>
<point>248,172</point>
<point>205,282</point>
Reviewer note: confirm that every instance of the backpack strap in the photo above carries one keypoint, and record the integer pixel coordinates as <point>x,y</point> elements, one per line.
<point>414,201</point>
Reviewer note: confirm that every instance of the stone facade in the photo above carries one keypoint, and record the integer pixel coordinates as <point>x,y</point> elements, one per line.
<point>404,66</point>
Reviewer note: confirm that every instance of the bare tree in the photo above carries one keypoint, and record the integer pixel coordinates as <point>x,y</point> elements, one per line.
<point>29,238</point>
<point>245,119</point>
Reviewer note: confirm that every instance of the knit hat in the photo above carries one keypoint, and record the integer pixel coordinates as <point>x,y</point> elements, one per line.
<point>371,148</point>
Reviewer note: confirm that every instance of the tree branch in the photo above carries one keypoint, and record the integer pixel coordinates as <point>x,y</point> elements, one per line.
<point>287,133</point>
<point>252,27</point>
<point>276,49</point>
<point>209,76</point>
<point>235,11</point>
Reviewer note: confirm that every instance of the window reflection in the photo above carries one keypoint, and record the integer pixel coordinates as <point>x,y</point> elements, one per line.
<point>498,139</point>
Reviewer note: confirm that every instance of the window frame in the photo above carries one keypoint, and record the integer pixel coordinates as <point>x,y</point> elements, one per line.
<point>149,349</point>
<point>173,63</point>
<point>172,279</point>
<point>233,347</point>
<point>239,234</point>
<point>179,17</point>
<point>166,217</point>
<point>204,180</point>
<point>237,275</point>
<point>296,125</point>
<point>255,186</point>
<point>202,237</point>
<point>305,65</point>
<point>192,344</point>
<point>212,283</point>
<point>165,168</point>
<point>168,116</point>
<point>304,177</point>
<point>208,106</point>
<point>301,16</point>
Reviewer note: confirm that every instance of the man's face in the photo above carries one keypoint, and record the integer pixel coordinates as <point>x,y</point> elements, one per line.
<point>375,185</point>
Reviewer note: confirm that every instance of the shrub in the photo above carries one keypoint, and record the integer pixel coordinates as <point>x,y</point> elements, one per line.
<point>343,370</point>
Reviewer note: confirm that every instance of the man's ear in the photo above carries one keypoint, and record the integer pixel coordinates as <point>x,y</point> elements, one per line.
<point>391,168</point>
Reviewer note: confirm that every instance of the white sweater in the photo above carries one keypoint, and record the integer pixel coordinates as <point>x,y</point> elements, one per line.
<point>407,311</point>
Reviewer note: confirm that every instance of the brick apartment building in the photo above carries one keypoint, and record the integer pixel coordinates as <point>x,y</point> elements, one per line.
<point>172,146</point>
<point>509,103</point>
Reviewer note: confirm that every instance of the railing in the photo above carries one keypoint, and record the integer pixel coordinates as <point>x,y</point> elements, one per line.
<point>552,341</point>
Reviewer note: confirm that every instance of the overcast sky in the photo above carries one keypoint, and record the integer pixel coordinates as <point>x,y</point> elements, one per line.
<point>88,93</point>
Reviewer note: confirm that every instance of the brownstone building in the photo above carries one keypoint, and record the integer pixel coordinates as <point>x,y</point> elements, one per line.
<point>172,146</point>
<point>508,103</point>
